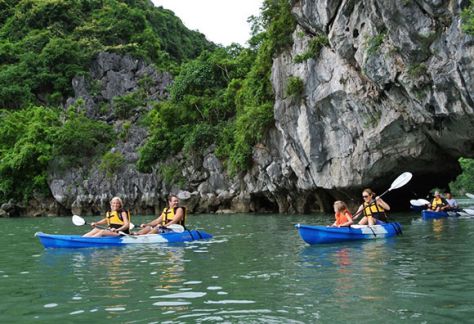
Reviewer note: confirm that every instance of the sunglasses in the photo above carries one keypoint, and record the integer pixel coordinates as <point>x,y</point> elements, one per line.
<point>365,196</point>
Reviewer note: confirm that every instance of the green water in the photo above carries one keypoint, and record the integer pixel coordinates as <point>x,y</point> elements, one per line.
<point>256,269</point>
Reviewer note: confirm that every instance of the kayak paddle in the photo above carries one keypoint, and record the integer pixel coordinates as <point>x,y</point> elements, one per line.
<point>176,228</point>
<point>419,202</point>
<point>469,211</point>
<point>399,182</point>
<point>79,221</point>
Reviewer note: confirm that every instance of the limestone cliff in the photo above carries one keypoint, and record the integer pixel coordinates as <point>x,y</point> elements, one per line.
<point>389,91</point>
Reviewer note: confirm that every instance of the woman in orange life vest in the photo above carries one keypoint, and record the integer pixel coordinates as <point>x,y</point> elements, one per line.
<point>342,215</point>
<point>117,220</point>
<point>373,208</point>
<point>170,215</point>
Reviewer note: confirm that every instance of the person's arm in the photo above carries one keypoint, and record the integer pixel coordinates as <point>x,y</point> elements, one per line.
<point>358,213</point>
<point>103,221</point>
<point>348,220</point>
<point>126,223</point>
<point>444,204</point>
<point>177,217</point>
<point>153,223</point>
<point>382,203</point>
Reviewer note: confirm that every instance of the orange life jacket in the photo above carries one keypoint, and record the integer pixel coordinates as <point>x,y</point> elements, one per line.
<point>341,217</point>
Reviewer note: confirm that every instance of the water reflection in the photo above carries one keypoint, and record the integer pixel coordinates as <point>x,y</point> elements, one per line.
<point>173,268</point>
<point>342,269</point>
<point>438,228</point>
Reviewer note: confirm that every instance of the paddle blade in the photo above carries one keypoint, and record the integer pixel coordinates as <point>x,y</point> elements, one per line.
<point>423,201</point>
<point>78,220</point>
<point>176,228</point>
<point>402,180</point>
<point>131,226</point>
<point>419,202</point>
<point>470,195</point>
<point>469,211</point>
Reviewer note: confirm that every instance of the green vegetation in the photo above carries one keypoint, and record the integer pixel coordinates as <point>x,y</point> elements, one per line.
<point>46,43</point>
<point>80,139</point>
<point>33,138</point>
<point>26,147</point>
<point>43,45</point>
<point>465,181</point>
<point>171,174</point>
<point>467,16</point>
<point>417,70</point>
<point>111,163</point>
<point>223,97</point>
<point>374,43</point>
<point>220,96</point>
<point>125,105</point>
<point>314,48</point>
<point>295,87</point>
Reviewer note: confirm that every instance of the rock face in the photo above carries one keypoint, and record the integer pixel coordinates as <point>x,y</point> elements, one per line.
<point>390,93</point>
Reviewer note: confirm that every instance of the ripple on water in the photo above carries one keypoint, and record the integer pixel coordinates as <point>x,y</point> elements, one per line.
<point>214,288</point>
<point>171,303</point>
<point>192,282</point>
<point>50,305</point>
<point>76,312</point>
<point>229,301</point>
<point>182,295</point>
<point>115,309</point>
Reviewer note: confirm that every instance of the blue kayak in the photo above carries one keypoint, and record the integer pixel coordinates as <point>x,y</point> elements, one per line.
<point>78,241</point>
<point>430,214</point>
<point>316,234</point>
<point>417,208</point>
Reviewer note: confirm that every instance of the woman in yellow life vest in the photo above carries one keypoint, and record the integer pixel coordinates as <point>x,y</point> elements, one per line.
<point>438,203</point>
<point>117,220</point>
<point>373,208</point>
<point>173,214</point>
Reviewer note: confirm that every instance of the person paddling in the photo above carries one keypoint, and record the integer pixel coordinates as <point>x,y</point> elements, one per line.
<point>117,220</point>
<point>453,204</point>
<point>373,208</point>
<point>173,214</point>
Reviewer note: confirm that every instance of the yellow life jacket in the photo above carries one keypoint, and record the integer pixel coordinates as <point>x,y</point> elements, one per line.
<point>115,218</point>
<point>373,210</point>
<point>168,215</point>
<point>437,202</point>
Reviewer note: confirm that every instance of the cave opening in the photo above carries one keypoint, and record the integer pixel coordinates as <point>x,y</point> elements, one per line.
<point>259,203</point>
